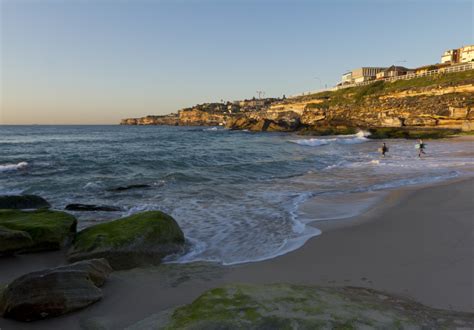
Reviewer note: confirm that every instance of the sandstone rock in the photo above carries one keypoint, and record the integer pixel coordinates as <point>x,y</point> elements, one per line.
<point>467,126</point>
<point>391,122</point>
<point>91,207</point>
<point>13,240</point>
<point>141,239</point>
<point>55,291</point>
<point>49,230</point>
<point>23,202</point>
<point>420,121</point>
<point>458,113</point>
<point>285,306</point>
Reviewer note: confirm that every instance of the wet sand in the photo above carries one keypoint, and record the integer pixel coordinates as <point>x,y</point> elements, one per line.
<point>418,243</point>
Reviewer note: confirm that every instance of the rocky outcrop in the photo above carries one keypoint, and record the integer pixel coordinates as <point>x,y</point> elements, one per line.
<point>55,291</point>
<point>443,102</point>
<point>92,208</point>
<point>171,120</point>
<point>141,239</point>
<point>193,117</point>
<point>48,230</point>
<point>23,202</point>
<point>285,306</point>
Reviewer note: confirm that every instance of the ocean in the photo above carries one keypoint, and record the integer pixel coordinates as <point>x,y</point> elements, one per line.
<point>235,194</point>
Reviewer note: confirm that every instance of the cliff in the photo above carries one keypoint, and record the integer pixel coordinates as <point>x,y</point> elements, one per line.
<point>171,119</point>
<point>445,101</point>
<point>440,102</point>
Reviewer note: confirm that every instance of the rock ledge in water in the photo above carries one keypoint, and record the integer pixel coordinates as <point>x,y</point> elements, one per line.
<point>48,230</point>
<point>92,207</point>
<point>53,292</point>
<point>23,202</point>
<point>285,306</point>
<point>141,239</point>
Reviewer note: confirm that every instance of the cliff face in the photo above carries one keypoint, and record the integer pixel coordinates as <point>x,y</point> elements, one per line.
<point>434,107</point>
<point>194,117</point>
<point>444,101</point>
<point>171,120</point>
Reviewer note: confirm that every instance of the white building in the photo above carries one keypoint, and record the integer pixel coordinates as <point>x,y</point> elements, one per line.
<point>461,55</point>
<point>347,78</point>
<point>365,73</point>
<point>467,54</point>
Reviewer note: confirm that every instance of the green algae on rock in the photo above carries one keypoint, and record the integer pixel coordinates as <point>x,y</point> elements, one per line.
<point>13,240</point>
<point>23,202</point>
<point>286,306</point>
<point>49,230</point>
<point>141,239</point>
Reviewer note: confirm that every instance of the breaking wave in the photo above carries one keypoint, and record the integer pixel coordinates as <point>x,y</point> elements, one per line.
<point>13,167</point>
<point>359,137</point>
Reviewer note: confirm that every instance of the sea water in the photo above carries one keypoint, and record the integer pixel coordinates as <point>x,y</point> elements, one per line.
<point>235,194</point>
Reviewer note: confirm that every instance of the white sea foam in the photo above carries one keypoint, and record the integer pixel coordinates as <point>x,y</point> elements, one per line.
<point>13,167</point>
<point>359,137</point>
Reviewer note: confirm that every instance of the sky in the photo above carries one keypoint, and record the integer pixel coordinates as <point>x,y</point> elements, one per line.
<point>97,61</point>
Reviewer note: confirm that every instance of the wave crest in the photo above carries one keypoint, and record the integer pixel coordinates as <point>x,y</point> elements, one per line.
<point>359,137</point>
<point>13,167</point>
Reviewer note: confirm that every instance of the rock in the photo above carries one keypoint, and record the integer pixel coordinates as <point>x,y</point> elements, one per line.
<point>420,121</point>
<point>56,291</point>
<point>13,240</point>
<point>458,113</point>
<point>49,230</point>
<point>132,186</point>
<point>467,126</point>
<point>285,306</point>
<point>23,202</point>
<point>91,207</point>
<point>141,239</point>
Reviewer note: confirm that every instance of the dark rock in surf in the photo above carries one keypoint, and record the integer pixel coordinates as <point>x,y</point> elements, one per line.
<point>92,207</point>
<point>54,292</point>
<point>132,186</point>
<point>23,202</point>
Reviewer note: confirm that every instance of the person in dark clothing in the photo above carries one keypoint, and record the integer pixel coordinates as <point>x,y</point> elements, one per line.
<point>384,149</point>
<point>421,148</point>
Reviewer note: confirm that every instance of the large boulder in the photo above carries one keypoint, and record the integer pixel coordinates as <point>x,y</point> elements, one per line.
<point>141,239</point>
<point>48,230</point>
<point>285,306</point>
<point>55,291</point>
<point>13,240</point>
<point>23,202</point>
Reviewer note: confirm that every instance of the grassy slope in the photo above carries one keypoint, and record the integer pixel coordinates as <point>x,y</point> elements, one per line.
<point>356,94</point>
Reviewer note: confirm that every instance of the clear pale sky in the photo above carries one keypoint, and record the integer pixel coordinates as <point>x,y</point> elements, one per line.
<point>97,61</point>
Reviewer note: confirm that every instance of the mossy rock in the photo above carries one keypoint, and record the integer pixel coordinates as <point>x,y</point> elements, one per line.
<point>12,241</point>
<point>141,239</point>
<point>48,230</point>
<point>23,202</point>
<point>285,306</point>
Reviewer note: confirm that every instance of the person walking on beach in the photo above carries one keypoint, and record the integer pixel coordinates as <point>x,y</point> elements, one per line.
<point>384,149</point>
<point>421,147</point>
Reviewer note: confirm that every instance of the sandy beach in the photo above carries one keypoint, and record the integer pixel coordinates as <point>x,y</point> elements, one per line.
<point>417,243</point>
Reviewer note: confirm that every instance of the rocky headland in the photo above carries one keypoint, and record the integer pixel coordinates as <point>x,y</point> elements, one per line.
<point>443,103</point>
